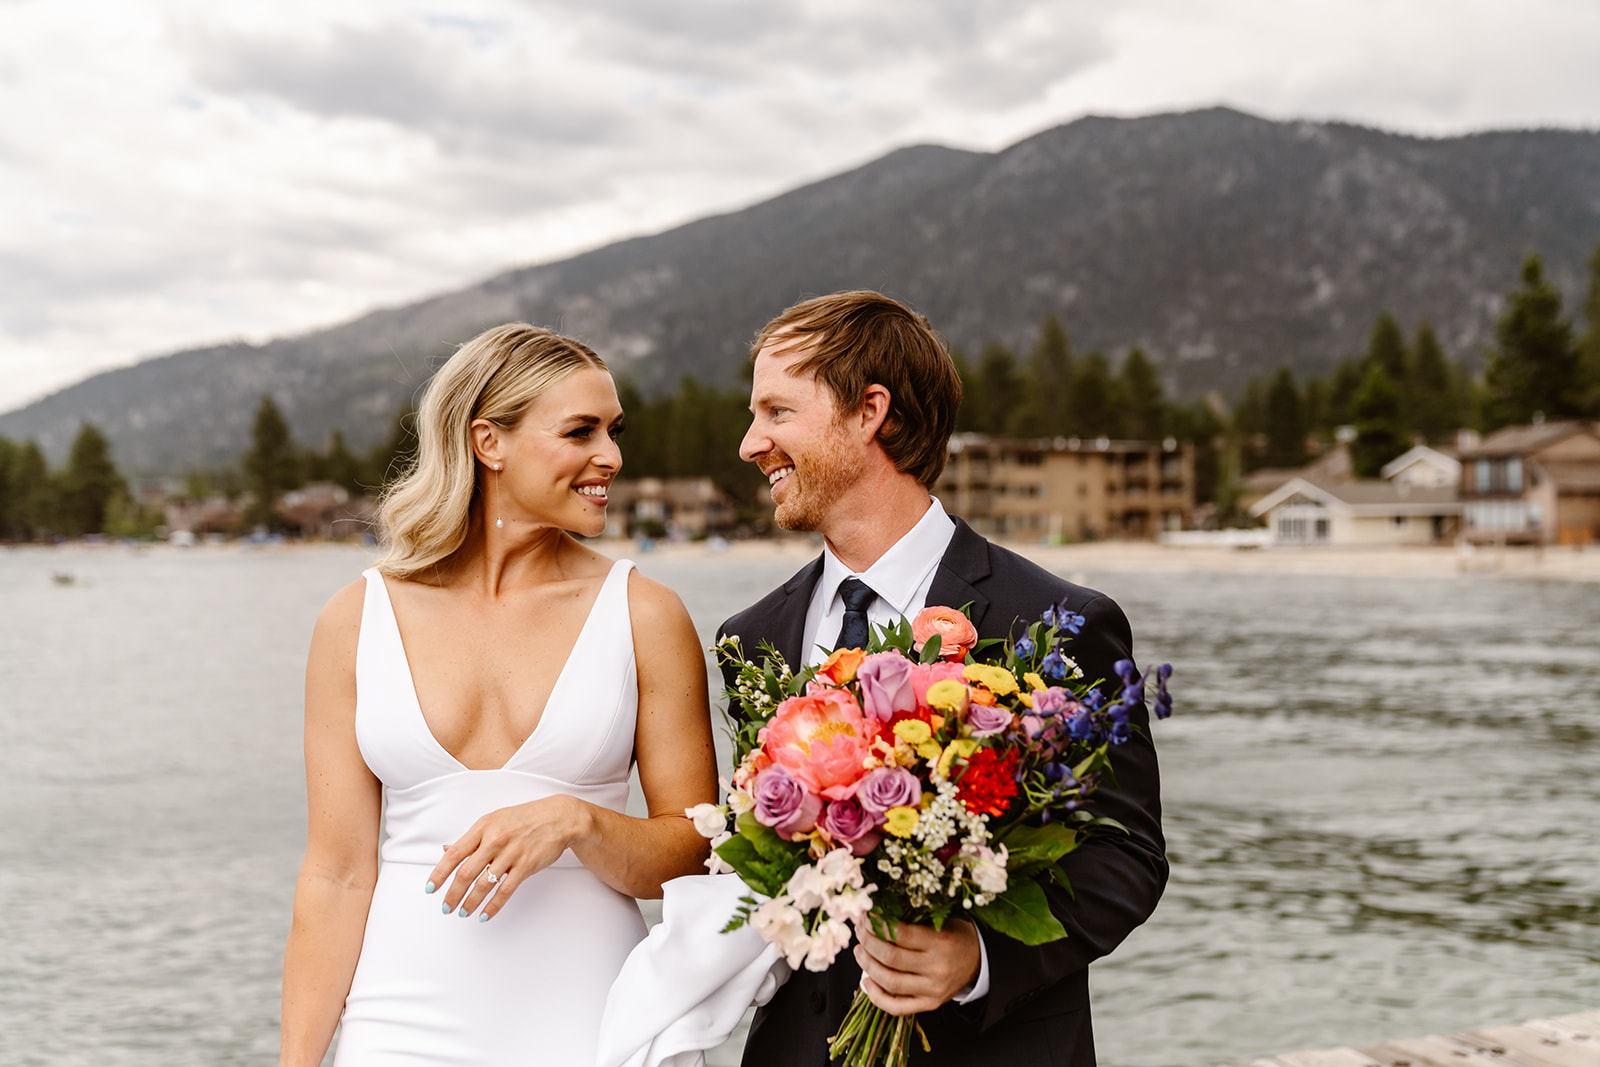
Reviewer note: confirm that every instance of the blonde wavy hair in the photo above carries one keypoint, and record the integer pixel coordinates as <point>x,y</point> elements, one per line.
<point>424,515</point>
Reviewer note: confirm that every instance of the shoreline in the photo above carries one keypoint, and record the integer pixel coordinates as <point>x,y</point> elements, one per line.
<point>1551,563</point>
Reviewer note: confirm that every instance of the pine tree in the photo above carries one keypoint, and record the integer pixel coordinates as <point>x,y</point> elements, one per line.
<point>1046,407</point>
<point>1434,412</point>
<point>8,490</point>
<point>1000,389</point>
<point>1589,345</point>
<point>90,482</point>
<point>1094,407</point>
<point>1380,429</point>
<point>337,464</point>
<point>1342,391</point>
<point>1249,423</point>
<point>35,513</point>
<point>393,457</point>
<point>1284,422</point>
<point>1534,367</point>
<point>272,465</point>
<point>1386,347</point>
<point>1141,398</point>
<point>969,415</point>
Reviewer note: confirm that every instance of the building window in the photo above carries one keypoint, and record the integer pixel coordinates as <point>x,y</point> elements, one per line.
<point>1480,476</point>
<point>1514,474</point>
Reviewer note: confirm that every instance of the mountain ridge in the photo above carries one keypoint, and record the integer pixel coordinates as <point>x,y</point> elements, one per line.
<point>1222,243</point>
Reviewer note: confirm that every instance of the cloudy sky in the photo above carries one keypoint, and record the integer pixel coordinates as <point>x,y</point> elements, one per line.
<point>178,172</point>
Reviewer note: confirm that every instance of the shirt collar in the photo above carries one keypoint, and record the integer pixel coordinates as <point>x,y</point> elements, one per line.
<point>899,574</point>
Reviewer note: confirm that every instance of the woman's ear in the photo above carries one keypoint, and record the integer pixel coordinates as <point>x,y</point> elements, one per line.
<point>486,443</point>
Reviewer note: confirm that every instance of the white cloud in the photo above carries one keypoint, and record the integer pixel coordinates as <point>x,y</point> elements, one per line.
<point>176,172</point>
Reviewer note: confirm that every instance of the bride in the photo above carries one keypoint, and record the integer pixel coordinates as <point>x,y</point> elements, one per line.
<point>479,697</point>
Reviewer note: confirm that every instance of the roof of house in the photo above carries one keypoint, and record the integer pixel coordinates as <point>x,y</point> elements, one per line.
<point>1366,497</point>
<point>1420,454</point>
<point>1520,440</point>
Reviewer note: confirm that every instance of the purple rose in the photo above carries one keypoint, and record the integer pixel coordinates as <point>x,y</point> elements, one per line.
<point>987,720</point>
<point>782,803</point>
<point>1052,701</point>
<point>885,680</point>
<point>888,787</point>
<point>846,820</point>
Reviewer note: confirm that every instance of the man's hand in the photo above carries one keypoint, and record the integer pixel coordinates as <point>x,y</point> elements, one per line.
<point>922,969</point>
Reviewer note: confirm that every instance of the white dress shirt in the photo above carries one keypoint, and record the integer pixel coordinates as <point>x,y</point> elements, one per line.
<point>901,577</point>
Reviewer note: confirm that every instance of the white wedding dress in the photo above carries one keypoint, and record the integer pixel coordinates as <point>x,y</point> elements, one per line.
<point>529,986</point>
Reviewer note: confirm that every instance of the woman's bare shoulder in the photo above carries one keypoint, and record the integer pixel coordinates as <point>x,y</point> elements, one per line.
<point>653,602</point>
<point>340,618</point>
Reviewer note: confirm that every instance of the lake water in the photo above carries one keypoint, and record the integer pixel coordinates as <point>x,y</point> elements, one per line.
<point>1382,803</point>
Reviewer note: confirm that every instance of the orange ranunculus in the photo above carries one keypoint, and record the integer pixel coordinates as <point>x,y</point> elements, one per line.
<point>840,668</point>
<point>955,630</point>
<point>824,739</point>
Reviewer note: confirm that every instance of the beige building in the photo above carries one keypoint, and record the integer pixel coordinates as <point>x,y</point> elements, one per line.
<point>1536,484</point>
<point>1066,489</point>
<point>673,507</point>
<point>1369,511</point>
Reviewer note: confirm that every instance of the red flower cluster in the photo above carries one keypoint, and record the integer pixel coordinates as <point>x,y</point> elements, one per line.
<point>989,782</point>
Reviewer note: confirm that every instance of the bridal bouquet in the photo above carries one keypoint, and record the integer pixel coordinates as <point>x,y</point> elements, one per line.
<point>910,781</point>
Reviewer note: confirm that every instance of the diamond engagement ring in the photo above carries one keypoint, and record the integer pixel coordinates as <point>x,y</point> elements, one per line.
<point>490,877</point>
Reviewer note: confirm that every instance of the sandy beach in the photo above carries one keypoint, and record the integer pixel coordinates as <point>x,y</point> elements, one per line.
<point>1553,563</point>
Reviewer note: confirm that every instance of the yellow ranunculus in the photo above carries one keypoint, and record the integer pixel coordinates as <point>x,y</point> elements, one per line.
<point>900,821</point>
<point>996,680</point>
<point>912,731</point>
<point>961,748</point>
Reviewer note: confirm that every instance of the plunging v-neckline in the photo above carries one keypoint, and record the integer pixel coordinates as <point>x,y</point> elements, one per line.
<point>549,702</point>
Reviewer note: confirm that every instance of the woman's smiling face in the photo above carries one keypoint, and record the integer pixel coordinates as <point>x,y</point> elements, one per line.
<point>558,462</point>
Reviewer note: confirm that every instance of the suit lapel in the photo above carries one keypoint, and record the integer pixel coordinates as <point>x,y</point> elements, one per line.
<point>788,620</point>
<point>964,566</point>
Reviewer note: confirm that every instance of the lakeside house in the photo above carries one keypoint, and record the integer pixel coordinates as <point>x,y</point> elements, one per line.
<point>688,508</point>
<point>1366,511</point>
<point>1536,484</point>
<point>1067,489</point>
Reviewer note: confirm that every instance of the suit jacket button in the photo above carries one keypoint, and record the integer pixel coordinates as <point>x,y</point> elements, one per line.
<point>819,1001</point>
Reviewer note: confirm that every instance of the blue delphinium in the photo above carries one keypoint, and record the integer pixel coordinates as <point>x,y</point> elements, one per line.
<point>1025,647</point>
<point>1063,618</point>
<point>1163,698</point>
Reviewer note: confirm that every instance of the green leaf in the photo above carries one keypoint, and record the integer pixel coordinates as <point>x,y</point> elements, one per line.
<point>1022,913</point>
<point>930,649</point>
<point>1032,848</point>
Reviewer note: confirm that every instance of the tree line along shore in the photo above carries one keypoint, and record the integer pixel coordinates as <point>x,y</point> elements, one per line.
<point>1402,390</point>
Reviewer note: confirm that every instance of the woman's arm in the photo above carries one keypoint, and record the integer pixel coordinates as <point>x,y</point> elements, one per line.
<point>334,890</point>
<point>677,769</point>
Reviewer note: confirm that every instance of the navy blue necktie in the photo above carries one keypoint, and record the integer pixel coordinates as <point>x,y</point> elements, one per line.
<point>856,595</point>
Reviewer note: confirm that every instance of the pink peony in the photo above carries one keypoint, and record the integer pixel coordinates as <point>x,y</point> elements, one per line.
<point>822,738</point>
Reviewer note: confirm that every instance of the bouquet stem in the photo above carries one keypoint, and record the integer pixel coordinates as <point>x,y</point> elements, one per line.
<point>870,1037</point>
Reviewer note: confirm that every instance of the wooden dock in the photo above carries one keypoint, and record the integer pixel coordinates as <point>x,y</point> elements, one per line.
<point>1566,1041</point>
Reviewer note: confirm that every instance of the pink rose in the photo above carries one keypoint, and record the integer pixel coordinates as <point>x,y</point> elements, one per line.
<point>885,680</point>
<point>955,631</point>
<point>782,803</point>
<point>986,719</point>
<point>847,821</point>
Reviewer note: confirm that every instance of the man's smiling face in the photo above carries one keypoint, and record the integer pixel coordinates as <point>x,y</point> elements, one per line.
<point>797,439</point>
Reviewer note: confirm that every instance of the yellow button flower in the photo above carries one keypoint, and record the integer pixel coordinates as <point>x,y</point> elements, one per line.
<point>1033,681</point>
<point>962,748</point>
<point>996,680</point>
<point>949,696</point>
<point>912,731</point>
<point>900,821</point>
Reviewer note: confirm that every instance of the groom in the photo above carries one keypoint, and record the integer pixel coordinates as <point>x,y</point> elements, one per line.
<point>854,398</point>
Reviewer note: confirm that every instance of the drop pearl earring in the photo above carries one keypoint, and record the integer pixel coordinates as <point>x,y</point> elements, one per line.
<point>499,523</point>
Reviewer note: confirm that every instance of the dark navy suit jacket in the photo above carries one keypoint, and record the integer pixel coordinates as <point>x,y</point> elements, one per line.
<point>1037,1008</point>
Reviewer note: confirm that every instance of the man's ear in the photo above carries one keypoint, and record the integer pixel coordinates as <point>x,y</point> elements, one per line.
<point>873,411</point>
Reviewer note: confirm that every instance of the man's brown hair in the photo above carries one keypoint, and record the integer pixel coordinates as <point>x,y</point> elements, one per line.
<point>852,340</point>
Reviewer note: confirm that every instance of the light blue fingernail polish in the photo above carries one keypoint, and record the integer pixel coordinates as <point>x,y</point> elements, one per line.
<point>445,908</point>
<point>483,918</point>
<point>463,913</point>
<point>429,888</point>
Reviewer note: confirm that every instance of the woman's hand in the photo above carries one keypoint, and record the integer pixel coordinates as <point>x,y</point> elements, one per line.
<point>505,847</point>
